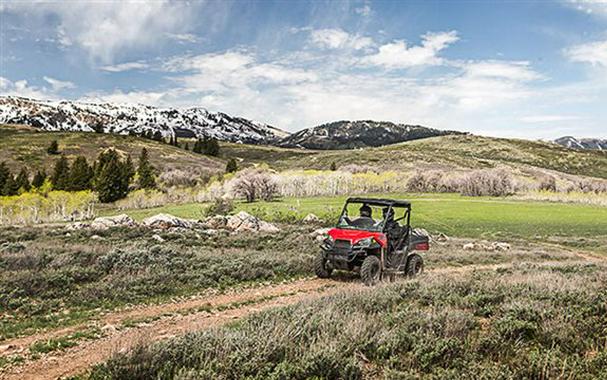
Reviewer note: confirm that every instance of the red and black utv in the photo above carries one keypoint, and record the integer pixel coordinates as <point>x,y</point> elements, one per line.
<point>379,241</point>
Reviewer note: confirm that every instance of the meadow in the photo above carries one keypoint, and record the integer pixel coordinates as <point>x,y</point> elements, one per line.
<point>574,225</point>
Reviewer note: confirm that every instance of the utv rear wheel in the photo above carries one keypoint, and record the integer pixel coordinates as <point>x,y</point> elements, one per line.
<point>415,265</point>
<point>370,270</point>
<point>320,266</point>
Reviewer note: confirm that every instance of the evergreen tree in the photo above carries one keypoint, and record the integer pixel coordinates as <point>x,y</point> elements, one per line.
<point>81,175</point>
<point>39,179</point>
<point>23,181</point>
<point>333,166</point>
<point>211,147</point>
<point>61,175</point>
<point>145,171</point>
<point>53,148</point>
<point>157,136</point>
<point>197,146</point>
<point>186,146</point>
<point>10,186</point>
<point>128,169</point>
<point>111,177</point>
<point>175,142</point>
<point>231,166</point>
<point>4,174</point>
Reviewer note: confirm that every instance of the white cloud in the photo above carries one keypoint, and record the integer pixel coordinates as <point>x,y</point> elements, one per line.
<point>364,10</point>
<point>398,54</point>
<point>126,66</point>
<point>339,39</point>
<point>106,28</point>
<point>594,53</point>
<point>58,85</point>
<point>513,70</point>
<point>534,119</point>
<point>24,89</point>
<point>593,7</point>
<point>184,37</point>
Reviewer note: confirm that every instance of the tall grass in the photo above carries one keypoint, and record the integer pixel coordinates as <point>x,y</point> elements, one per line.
<point>546,322</point>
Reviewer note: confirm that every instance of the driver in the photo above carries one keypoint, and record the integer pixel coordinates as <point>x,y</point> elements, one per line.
<point>365,219</point>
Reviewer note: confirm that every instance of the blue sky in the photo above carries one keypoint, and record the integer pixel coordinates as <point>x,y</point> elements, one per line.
<point>531,69</point>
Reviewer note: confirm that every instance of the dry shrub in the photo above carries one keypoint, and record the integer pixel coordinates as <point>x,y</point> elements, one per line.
<point>495,183</point>
<point>180,178</point>
<point>255,184</point>
<point>587,186</point>
<point>433,181</point>
<point>547,183</point>
<point>356,169</point>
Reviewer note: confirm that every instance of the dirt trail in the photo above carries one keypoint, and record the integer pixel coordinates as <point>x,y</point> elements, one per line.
<point>164,321</point>
<point>173,319</point>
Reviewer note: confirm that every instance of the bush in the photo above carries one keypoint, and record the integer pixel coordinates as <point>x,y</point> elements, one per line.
<point>219,206</point>
<point>547,183</point>
<point>53,148</point>
<point>495,183</point>
<point>255,184</point>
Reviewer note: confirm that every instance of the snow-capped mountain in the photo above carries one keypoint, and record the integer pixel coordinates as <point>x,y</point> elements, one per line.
<point>573,143</point>
<point>133,119</point>
<point>358,134</point>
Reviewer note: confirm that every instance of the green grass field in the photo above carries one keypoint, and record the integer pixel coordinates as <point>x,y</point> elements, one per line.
<point>573,225</point>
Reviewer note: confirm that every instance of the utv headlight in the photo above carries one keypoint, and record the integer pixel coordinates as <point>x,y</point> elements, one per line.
<point>365,243</point>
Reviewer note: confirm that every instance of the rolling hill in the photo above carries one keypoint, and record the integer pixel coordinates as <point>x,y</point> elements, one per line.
<point>358,134</point>
<point>26,146</point>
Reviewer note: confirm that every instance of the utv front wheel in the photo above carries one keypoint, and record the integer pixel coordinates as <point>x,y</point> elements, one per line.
<point>415,265</point>
<point>320,266</point>
<point>370,270</point>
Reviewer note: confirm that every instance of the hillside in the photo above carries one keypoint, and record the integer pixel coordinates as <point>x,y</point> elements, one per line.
<point>26,146</point>
<point>444,152</point>
<point>133,119</point>
<point>358,134</point>
<point>574,143</point>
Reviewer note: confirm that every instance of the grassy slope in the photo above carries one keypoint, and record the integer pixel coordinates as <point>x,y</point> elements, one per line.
<point>490,218</point>
<point>445,151</point>
<point>22,146</point>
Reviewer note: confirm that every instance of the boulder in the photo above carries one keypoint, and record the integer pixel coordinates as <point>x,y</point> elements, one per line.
<point>311,218</point>
<point>106,222</point>
<point>216,222</point>
<point>441,237</point>
<point>245,222</point>
<point>158,238</point>
<point>166,221</point>
<point>499,246</point>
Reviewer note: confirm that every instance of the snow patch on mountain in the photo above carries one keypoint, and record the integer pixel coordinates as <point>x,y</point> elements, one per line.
<point>133,119</point>
<point>574,143</point>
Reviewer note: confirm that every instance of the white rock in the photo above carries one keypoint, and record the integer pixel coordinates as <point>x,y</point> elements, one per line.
<point>469,246</point>
<point>108,329</point>
<point>500,246</point>
<point>311,218</point>
<point>158,238</point>
<point>96,237</point>
<point>106,222</point>
<point>168,221</point>
<point>245,222</point>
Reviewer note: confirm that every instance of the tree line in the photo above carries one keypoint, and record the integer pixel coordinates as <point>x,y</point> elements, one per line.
<point>110,176</point>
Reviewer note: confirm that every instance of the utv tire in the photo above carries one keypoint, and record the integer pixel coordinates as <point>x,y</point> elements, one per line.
<point>415,265</point>
<point>370,270</point>
<point>320,266</point>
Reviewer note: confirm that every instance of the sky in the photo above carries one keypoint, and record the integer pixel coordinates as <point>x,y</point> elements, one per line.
<point>528,69</point>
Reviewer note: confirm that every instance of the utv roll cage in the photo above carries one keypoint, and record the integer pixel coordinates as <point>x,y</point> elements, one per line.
<point>390,203</point>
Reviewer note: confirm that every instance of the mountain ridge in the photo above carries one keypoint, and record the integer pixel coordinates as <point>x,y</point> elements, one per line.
<point>138,119</point>
<point>346,134</point>
<point>583,143</point>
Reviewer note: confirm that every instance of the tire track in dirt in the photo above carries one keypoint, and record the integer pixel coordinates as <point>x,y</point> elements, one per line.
<point>179,318</point>
<point>185,317</point>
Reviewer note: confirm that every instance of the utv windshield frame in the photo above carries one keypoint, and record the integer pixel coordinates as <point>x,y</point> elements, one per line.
<point>342,223</point>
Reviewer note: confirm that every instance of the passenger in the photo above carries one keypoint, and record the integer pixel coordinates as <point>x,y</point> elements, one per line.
<point>365,220</point>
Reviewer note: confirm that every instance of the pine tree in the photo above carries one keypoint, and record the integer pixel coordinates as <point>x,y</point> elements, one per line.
<point>53,148</point>
<point>197,146</point>
<point>39,179</point>
<point>4,174</point>
<point>128,169</point>
<point>211,147</point>
<point>10,186</point>
<point>145,171</point>
<point>81,175</point>
<point>186,146</point>
<point>61,175</point>
<point>111,177</point>
<point>175,142</point>
<point>333,166</point>
<point>23,181</point>
<point>231,166</point>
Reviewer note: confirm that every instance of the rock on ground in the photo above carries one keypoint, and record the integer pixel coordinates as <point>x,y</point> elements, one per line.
<point>122,220</point>
<point>311,218</point>
<point>166,221</point>
<point>496,246</point>
<point>244,222</point>
<point>320,233</point>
